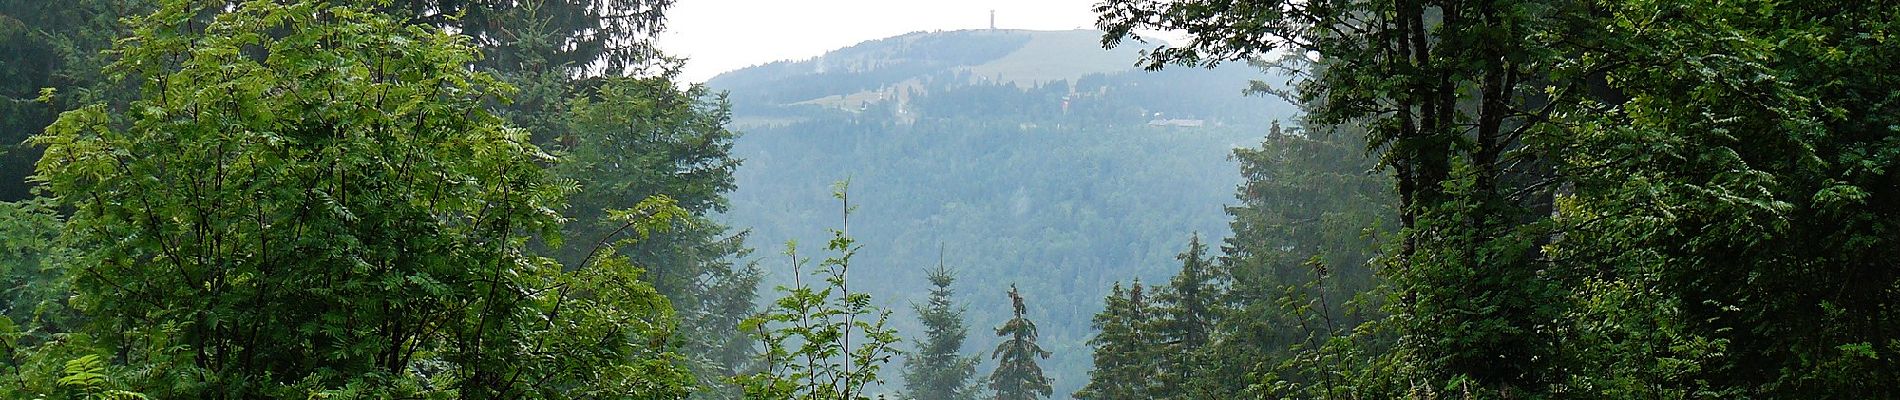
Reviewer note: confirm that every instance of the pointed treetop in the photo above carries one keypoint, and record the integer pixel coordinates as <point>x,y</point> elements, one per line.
<point>941,276</point>
<point>1016,299</point>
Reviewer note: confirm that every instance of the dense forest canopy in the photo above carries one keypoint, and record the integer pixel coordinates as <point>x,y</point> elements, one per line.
<point>1331,199</point>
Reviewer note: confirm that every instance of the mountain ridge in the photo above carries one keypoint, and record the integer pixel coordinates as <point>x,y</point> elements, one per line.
<point>882,68</point>
<point>852,56</point>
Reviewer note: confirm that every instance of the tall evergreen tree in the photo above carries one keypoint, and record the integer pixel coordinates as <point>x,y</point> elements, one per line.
<point>1191,299</point>
<point>938,370</point>
<point>1307,233</point>
<point>1190,308</point>
<point>1017,376</point>
<point>1126,350</point>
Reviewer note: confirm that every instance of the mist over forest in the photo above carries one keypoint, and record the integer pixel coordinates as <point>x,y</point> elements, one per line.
<point>1340,199</point>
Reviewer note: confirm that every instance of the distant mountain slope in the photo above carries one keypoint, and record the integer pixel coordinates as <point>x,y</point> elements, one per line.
<point>1035,158</point>
<point>1057,55</point>
<point>866,66</point>
<point>1021,56</point>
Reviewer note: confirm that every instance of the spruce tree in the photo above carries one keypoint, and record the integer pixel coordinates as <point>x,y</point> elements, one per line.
<point>1189,307</point>
<point>1299,263</point>
<point>938,371</point>
<point>1191,297</point>
<point>1124,346</point>
<point>1017,377</point>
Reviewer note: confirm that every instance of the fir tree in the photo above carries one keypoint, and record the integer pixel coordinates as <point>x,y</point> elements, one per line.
<point>1124,347</point>
<point>1307,208</point>
<point>1191,297</point>
<point>1189,306</point>
<point>1017,377</point>
<point>937,371</point>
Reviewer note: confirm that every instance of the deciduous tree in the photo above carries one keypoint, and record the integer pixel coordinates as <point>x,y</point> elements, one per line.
<point>309,198</point>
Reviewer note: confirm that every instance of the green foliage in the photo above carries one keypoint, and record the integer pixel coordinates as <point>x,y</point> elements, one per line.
<point>329,211</point>
<point>1017,376</point>
<point>625,139</point>
<point>1443,91</point>
<point>51,55</point>
<point>33,285</point>
<point>551,51</point>
<point>1159,348</point>
<point>1288,299</point>
<point>86,376</point>
<point>1755,181</point>
<point>807,334</point>
<point>1595,198</point>
<point>1127,352</point>
<point>635,138</point>
<point>1306,239</point>
<point>465,199</point>
<point>1188,309</point>
<point>638,137</point>
<point>937,369</point>
<point>36,338</point>
<point>569,37</point>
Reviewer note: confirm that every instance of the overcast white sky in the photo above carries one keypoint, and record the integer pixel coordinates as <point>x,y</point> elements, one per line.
<point>723,35</point>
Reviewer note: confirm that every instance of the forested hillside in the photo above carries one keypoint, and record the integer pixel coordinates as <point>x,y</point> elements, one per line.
<point>995,172</point>
<point>1421,199</point>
